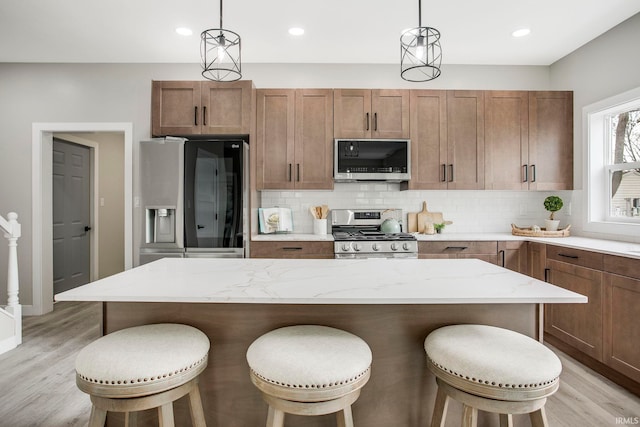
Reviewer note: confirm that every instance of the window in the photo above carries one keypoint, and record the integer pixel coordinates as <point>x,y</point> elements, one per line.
<point>623,165</point>
<point>612,175</point>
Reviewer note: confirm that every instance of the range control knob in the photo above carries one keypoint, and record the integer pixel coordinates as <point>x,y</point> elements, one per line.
<point>375,247</point>
<point>357,247</point>
<point>346,247</point>
<point>406,246</point>
<point>394,246</point>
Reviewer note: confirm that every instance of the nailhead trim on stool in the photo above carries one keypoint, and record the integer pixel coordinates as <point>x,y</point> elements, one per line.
<point>141,362</point>
<point>493,363</point>
<point>306,365</point>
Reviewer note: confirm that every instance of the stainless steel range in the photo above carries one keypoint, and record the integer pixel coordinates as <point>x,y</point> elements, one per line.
<point>357,233</point>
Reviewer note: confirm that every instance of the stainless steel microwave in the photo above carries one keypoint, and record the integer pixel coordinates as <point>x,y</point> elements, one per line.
<point>372,160</point>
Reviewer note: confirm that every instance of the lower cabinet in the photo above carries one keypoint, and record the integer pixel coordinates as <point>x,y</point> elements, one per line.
<point>621,314</point>
<point>486,251</point>
<point>513,254</point>
<point>536,260</point>
<point>295,249</point>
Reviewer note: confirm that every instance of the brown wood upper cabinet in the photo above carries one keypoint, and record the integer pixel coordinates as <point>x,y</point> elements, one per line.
<point>528,140</point>
<point>447,140</point>
<point>201,107</point>
<point>294,139</point>
<point>365,113</point>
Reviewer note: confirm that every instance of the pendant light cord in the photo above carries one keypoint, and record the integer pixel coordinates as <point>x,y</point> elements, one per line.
<point>419,12</point>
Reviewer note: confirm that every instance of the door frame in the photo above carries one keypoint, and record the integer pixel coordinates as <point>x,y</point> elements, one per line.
<point>41,204</point>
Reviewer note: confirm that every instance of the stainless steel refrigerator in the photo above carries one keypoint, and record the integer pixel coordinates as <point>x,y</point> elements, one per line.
<point>194,195</point>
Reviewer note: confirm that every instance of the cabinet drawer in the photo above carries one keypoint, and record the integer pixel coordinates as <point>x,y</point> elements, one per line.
<point>588,259</point>
<point>291,249</point>
<point>458,248</point>
<point>623,266</point>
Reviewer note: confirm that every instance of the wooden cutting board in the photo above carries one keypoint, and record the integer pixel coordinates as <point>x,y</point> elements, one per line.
<point>425,217</point>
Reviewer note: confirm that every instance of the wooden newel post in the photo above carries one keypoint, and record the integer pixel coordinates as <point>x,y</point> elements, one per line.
<point>12,269</point>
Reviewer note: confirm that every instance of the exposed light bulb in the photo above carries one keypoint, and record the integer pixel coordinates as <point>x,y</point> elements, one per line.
<point>222,48</point>
<point>421,49</point>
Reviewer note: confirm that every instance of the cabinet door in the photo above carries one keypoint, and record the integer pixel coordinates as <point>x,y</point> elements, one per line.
<point>390,110</point>
<point>506,140</point>
<point>314,139</point>
<point>513,255</point>
<point>551,140</point>
<point>537,260</point>
<point>226,108</point>
<point>275,113</point>
<point>352,113</point>
<point>428,139</point>
<point>579,325</point>
<point>621,326</point>
<point>459,249</point>
<point>465,140</point>
<point>175,108</point>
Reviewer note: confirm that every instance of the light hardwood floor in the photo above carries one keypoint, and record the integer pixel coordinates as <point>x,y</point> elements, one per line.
<point>37,379</point>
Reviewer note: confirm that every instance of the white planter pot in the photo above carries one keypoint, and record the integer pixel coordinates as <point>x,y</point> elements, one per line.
<point>551,225</point>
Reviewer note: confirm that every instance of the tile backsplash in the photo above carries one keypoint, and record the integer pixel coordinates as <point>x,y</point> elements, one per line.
<point>472,211</point>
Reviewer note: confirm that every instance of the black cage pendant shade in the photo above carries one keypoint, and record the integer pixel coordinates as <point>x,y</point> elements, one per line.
<point>220,51</point>
<point>420,52</point>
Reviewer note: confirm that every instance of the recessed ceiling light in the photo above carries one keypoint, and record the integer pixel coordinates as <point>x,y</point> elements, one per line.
<point>296,31</point>
<point>521,32</point>
<point>183,31</point>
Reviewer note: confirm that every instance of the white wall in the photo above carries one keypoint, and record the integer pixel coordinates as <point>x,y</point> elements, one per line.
<point>607,66</point>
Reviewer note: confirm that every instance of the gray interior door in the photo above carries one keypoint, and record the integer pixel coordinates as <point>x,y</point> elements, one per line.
<point>71,215</point>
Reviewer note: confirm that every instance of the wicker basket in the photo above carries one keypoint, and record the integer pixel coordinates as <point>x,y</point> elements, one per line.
<point>530,232</point>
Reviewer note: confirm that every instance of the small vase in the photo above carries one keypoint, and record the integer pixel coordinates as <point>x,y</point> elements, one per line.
<point>551,225</point>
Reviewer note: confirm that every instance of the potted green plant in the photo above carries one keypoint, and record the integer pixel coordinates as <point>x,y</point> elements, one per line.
<point>439,227</point>
<point>553,204</point>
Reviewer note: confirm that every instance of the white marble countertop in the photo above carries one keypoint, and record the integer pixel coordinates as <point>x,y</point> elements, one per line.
<point>321,281</point>
<point>612,247</point>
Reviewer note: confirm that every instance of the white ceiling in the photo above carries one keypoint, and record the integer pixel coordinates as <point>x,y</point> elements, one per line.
<point>337,31</point>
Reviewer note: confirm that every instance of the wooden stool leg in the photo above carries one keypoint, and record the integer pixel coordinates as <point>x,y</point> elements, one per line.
<point>165,415</point>
<point>195,405</point>
<point>469,416</point>
<point>130,419</point>
<point>538,418</point>
<point>345,417</point>
<point>98,417</point>
<point>440,409</point>
<point>275,418</point>
<point>506,420</point>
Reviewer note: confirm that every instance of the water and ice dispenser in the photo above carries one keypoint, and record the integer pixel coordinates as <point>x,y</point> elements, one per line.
<point>160,222</point>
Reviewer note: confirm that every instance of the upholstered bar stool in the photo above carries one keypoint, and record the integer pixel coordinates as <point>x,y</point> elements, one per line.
<point>491,369</point>
<point>309,370</point>
<point>144,367</point>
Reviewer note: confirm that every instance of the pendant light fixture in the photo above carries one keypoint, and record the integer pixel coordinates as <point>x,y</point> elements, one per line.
<point>220,51</point>
<point>420,52</point>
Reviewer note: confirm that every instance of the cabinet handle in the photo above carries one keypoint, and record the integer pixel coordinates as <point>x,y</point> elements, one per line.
<point>289,172</point>
<point>569,256</point>
<point>204,115</point>
<point>444,173</point>
<point>375,121</point>
<point>292,248</point>
<point>525,169</point>
<point>195,115</point>
<point>546,275</point>
<point>502,256</point>
<point>367,121</point>
<point>451,174</point>
<point>457,248</point>
<point>298,172</point>
<point>533,173</point>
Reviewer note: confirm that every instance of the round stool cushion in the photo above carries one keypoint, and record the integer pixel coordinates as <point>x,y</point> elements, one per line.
<point>142,360</point>
<point>310,357</point>
<point>492,362</point>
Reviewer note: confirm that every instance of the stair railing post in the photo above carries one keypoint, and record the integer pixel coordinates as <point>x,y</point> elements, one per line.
<point>12,269</point>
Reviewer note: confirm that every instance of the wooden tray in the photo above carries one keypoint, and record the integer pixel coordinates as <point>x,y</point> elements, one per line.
<point>530,232</point>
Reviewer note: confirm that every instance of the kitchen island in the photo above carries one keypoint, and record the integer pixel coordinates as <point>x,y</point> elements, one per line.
<point>391,303</point>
